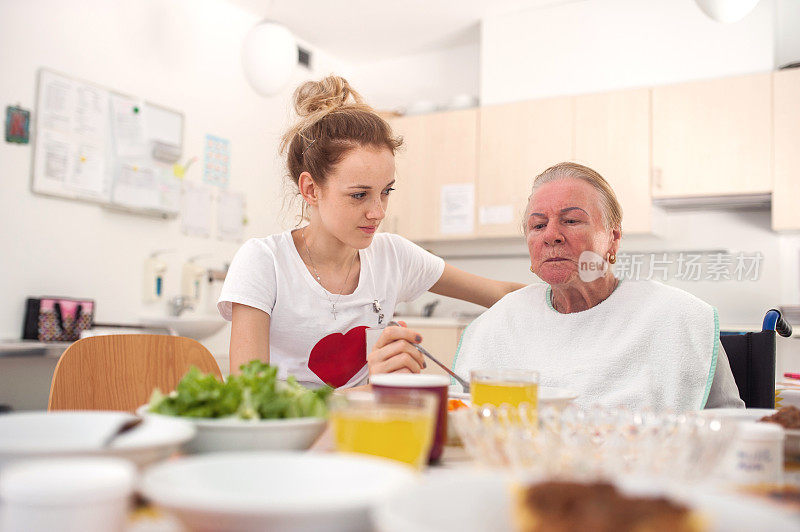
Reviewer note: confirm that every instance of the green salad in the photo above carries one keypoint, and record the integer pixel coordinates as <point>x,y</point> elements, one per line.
<point>256,393</point>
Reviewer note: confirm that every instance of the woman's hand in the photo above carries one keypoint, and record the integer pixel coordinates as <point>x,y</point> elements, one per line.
<point>394,352</point>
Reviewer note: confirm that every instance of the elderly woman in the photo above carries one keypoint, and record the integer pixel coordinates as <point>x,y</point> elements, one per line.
<point>632,343</point>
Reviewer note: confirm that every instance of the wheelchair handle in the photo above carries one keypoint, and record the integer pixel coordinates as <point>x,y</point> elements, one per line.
<point>773,321</point>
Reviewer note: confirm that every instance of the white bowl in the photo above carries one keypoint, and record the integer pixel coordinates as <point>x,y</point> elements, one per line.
<point>462,101</point>
<point>422,107</point>
<point>471,501</point>
<point>276,491</point>
<point>81,433</point>
<point>233,434</point>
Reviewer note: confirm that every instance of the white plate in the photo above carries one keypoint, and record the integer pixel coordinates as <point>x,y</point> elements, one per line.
<point>548,395</point>
<point>232,434</point>
<point>463,501</point>
<point>81,433</point>
<point>738,414</point>
<point>276,491</point>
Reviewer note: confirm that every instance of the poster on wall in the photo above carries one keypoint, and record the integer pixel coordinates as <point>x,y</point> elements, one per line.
<point>230,215</point>
<point>196,210</point>
<point>216,167</point>
<point>457,208</point>
<point>70,156</point>
<point>18,121</point>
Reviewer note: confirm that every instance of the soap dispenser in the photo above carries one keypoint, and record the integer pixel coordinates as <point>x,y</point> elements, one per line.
<point>153,282</point>
<point>192,280</point>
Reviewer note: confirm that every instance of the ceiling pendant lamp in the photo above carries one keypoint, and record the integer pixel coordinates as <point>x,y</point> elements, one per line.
<point>727,10</point>
<point>269,57</point>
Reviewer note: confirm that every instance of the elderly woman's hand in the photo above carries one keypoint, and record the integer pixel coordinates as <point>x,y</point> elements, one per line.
<point>394,352</point>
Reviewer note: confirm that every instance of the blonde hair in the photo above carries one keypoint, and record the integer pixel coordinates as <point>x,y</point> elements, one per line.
<point>333,119</point>
<point>612,210</point>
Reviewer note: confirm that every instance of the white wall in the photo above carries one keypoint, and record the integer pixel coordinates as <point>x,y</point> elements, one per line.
<point>599,45</point>
<point>183,54</point>
<point>787,32</point>
<point>396,83</point>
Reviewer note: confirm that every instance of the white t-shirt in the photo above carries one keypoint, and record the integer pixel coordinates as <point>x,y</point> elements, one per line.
<point>304,338</point>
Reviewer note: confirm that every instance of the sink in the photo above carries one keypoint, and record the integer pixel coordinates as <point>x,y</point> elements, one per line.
<point>196,327</point>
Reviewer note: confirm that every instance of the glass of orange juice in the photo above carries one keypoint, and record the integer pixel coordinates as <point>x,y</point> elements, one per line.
<point>398,426</point>
<point>504,386</point>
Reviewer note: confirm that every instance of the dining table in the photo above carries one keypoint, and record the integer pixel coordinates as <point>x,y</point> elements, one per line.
<point>147,518</point>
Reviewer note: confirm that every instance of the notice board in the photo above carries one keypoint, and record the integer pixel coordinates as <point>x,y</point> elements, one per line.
<point>99,145</point>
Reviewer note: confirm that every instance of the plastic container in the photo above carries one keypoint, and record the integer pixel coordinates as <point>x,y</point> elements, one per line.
<point>68,495</point>
<point>756,455</point>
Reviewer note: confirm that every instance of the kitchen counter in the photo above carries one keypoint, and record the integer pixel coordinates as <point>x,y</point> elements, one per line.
<point>21,348</point>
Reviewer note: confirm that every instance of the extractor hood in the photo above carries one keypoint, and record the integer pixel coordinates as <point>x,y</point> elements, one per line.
<point>732,201</point>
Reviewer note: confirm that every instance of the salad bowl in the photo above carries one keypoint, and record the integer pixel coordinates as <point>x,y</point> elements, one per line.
<point>234,434</point>
<point>253,410</point>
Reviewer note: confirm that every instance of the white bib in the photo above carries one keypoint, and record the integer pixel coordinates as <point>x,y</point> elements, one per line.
<point>647,344</point>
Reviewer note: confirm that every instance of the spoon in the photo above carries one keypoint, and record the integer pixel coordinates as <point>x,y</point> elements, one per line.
<point>464,384</point>
<point>124,428</point>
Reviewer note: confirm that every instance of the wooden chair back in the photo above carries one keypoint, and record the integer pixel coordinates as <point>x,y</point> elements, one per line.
<point>120,371</point>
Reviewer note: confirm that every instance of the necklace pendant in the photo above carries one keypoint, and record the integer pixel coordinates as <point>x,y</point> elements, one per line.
<point>380,319</point>
<point>333,310</point>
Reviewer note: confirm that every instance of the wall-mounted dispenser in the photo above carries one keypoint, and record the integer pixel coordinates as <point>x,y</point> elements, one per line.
<point>155,270</point>
<point>193,279</point>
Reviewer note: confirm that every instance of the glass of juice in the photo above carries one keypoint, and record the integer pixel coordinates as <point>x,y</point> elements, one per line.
<point>504,386</point>
<point>398,426</point>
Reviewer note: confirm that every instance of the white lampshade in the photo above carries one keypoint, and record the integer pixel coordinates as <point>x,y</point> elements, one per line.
<point>269,56</point>
<point>727,10</point>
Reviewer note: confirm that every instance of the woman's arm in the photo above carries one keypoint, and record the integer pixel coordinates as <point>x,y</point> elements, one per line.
<point>473,288</point>
<point>249,336</point>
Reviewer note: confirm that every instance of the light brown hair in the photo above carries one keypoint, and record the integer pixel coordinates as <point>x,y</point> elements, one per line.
<point>612,210</point>
<point>333,119</point>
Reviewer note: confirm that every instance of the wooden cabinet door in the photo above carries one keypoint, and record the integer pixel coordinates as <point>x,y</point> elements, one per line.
<point>612,136</point>
<point>713,137</point>
<point>517,142</point>
<point>438,149</point>
<point>441,342</point>
<point>409,165</point>
<point>786,193</point>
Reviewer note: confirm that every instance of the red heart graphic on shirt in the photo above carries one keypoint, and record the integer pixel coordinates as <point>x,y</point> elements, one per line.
<point>337,357</point>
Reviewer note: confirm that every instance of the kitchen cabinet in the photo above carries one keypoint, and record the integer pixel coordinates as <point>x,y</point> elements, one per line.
<point>612,136</point>
<point>409,165</point>
<point>517,142</point>
<point>786,193</point>
<point>712,137</point>
<point>441,342</point>
<point>438,150</point>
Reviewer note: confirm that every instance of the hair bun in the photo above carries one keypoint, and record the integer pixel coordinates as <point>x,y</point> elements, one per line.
<point>323,96</point>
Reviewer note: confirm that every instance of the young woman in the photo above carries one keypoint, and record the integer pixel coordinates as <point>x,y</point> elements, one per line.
<point>302,299</point>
